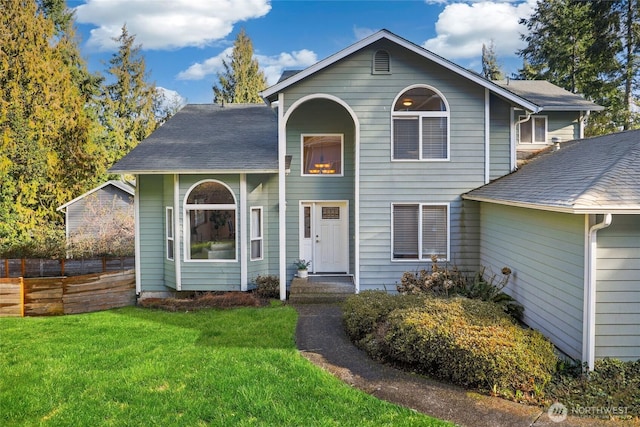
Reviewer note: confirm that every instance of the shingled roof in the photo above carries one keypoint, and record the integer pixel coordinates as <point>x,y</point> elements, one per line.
<point>208,138</point>
<point>593,175</point>
<point>548,96</point>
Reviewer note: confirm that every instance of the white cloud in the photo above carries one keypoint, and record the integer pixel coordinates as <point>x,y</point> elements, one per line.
<point>200,70</point>
<point>462,28</point>
<point>271,65</point>
<point>166,24</point>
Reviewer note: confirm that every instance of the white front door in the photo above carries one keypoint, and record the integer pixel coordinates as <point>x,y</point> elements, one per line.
<point>324,236</point>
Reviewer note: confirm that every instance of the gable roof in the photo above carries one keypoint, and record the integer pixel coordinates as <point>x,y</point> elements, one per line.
<point>290,78</point>
<point>205,138</point>
<point>124,186</point>
<point>593,175</point>
<point>548,96</point>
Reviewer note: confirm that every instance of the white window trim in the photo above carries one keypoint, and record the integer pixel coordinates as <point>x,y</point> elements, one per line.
<point>169,226</point>
<point>420,114</point>
<point>533,130</point>
<point>251,234</point>
<point>221,207</point>
<point>335,175</point>
<point>420,234</point>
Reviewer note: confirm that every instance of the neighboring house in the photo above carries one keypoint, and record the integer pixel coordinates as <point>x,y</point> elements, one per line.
<point>568,225</point>
<point>84,213</point>
<point>358,164</point>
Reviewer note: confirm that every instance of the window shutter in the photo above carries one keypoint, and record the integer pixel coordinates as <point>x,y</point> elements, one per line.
<point>405,138</point>
<point>434,231</point>
<point>405,231</point>
<point>434,137</point>
<point>381,62</point>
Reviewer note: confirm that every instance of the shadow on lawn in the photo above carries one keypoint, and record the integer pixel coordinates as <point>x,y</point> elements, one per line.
<point>244,327</point>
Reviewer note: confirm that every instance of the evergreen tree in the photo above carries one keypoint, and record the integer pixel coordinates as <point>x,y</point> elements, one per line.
<point>490,68</point>
<point>128,101</point>
<point>46,151</point>
<point>242,79</point>
<point>589,48</point>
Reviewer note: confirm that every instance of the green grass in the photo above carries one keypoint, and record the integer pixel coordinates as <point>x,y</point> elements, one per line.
<point>141,367</point>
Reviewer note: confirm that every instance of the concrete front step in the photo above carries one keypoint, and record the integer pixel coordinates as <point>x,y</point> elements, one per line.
<point>321,290</point>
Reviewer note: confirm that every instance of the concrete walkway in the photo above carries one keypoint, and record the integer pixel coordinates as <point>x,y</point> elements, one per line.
<point>321,338</point>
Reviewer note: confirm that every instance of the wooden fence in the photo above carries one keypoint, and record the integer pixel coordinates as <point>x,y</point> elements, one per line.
<point>62,267</point>
<point>66,295</point>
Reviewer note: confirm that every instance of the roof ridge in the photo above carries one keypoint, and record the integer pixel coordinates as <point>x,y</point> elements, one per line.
<point>626,160</point>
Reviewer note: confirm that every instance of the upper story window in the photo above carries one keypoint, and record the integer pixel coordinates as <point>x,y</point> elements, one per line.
<point>210,212</point>
<point>381,62</point>
<point>420,125</point>
<point>322,154</point>
<point>533,131</point>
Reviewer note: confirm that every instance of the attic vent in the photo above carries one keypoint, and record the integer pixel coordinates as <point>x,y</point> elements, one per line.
<point>381,62</point>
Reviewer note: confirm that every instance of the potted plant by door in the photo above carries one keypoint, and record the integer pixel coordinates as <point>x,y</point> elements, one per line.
<point>302,266</point>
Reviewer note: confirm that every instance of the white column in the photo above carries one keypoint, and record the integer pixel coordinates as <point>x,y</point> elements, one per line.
<point>244,267</point>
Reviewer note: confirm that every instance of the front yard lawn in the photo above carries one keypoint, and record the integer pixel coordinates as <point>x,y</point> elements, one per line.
<point>137,366</point>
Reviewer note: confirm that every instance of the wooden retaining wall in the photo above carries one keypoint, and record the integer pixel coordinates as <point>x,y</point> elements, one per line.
<point>67,295</point>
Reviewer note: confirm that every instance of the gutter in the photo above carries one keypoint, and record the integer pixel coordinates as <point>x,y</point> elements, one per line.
<point>589,315</point>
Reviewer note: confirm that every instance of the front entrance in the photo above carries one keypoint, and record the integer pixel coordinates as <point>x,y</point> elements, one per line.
<point>324,236</point>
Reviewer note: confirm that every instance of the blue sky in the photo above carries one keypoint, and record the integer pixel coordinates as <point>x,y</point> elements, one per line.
<point>184,41</point>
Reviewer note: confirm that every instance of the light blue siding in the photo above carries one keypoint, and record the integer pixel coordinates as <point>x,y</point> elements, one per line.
<point>318,116</point>
<point>383,182</point>
<point>618,289</point>
<point>150,189</point>
<point>500,137</point>
<point>545,251</point>
<point>262,191</point>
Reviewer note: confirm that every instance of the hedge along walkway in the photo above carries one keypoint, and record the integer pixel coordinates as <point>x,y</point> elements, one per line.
<point>321,338</point>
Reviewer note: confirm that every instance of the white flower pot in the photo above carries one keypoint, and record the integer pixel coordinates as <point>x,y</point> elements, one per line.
<point>303,274</point>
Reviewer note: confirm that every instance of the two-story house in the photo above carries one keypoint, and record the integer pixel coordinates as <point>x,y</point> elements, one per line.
<point>357,164</point>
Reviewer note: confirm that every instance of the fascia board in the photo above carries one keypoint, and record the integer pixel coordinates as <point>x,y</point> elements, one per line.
<point>271,91</point>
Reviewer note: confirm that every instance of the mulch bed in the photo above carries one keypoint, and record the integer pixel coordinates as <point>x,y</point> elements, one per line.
<point>200,301</point>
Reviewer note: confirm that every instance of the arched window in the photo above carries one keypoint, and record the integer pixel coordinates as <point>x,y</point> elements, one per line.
<point>420,125</point>
<point>210,212</point>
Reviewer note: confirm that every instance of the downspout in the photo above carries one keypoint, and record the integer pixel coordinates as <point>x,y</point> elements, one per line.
<point>514,151</point>
<point>583,123</point>
<point>282,199</point>
<point>589,317</point>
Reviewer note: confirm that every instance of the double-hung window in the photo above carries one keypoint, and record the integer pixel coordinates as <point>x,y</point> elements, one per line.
<point>420,126</point>
<point>169,232</point>
<point>420,231</point>
<point>533,131</point>
<point>256,234</point>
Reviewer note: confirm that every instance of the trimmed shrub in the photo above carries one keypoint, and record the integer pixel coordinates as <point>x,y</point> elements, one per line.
<point>469,342</point>
<point>268,286</point>
<point>363,312</point>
